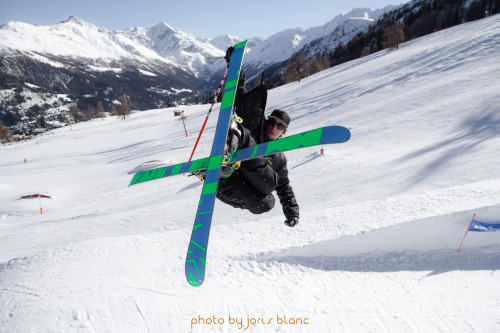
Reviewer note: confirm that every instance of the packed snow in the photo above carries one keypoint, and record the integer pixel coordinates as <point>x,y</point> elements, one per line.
<point>382,215</point>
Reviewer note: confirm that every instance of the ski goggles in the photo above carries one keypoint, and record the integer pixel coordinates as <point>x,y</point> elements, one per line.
<point>273,122</point>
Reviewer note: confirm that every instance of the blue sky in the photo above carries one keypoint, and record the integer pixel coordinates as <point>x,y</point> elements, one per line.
<point>207,19</point>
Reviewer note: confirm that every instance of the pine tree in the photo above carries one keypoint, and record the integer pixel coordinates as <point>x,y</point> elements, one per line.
<point>394,35</point>
<point>123,109</point>
<point>75,113</point>
<point>295,68</point>
<point>5,132</point>
<point>494,7</point>
<point>90,113</point>
<point>43,122</point>
<point>100,110</point>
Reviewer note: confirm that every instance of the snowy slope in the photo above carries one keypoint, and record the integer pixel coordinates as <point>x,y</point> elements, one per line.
<point>382,216</point>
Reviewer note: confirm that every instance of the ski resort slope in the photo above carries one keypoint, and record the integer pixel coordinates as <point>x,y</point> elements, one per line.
<point>382,215</point>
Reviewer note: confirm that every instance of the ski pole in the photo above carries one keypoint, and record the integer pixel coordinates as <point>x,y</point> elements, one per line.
<point>209,111</point>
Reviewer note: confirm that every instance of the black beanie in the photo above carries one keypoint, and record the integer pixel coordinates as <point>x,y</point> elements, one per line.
<point>281,115</point>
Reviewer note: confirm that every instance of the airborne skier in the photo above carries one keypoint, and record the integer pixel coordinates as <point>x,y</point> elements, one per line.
<point>251,185</point>
<point>263,164</point>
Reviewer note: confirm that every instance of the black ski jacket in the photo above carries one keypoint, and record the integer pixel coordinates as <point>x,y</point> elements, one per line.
<point>250,106</point>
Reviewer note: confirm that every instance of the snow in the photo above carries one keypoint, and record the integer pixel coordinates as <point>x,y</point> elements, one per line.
<point>382,215</point>
<point>143,72</point>
<point>223,42</point>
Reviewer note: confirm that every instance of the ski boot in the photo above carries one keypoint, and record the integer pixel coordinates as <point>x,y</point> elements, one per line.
<point>227,169</point>
<point>233,142</point>
<point>234,138</point>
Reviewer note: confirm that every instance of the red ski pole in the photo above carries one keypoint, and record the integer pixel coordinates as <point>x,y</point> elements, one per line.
<point>209,111</point>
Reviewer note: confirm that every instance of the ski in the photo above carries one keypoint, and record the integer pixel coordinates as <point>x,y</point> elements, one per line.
<point>319,136</point>
<point>197,251</point>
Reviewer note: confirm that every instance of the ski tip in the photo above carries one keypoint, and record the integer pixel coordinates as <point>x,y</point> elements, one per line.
<point>240,44</point>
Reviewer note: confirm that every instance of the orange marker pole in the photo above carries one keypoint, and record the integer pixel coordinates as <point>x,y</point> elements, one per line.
<point>466,232</point>
<point>40,202</point>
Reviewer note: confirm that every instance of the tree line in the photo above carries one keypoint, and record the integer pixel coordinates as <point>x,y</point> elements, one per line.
<point>122,109</point>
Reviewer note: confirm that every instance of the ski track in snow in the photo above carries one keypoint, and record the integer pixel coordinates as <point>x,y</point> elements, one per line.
<point>382,215</point>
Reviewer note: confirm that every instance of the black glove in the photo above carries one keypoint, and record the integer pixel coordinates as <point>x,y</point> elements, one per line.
<point>292,222</point>
<point>229,51</point>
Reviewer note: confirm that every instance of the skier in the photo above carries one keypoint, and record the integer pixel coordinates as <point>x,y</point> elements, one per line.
<point>250,186</point>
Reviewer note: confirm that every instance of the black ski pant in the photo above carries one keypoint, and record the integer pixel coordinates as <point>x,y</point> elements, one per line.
<point>237,191</point>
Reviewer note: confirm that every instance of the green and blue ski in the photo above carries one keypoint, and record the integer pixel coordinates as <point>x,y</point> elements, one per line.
<point>319,136</point>
<point>197,251</point>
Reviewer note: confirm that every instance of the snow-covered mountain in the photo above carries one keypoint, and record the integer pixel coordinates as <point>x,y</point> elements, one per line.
<point>87,64</point>
<point>149,64</point>
<point>222,42</point>
<point>76,38</point>
<point>281,46</point>
<point>342,29</point>
<point>184,49</point>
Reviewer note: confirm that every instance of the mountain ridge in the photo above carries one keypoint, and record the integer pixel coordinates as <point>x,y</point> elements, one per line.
<point>159,41</point>
<point>68,54</point>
